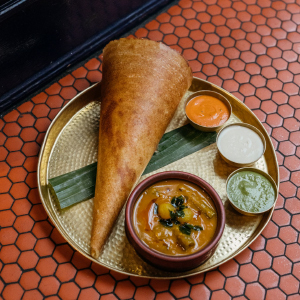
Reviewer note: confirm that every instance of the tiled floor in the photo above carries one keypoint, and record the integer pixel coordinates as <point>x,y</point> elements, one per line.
<point>249,48</point>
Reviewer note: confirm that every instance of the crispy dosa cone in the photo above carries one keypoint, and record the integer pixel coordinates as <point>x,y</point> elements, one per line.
<point>143,83</point>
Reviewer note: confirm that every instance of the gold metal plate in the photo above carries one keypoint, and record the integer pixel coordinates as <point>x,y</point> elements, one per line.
<point>71,142</point>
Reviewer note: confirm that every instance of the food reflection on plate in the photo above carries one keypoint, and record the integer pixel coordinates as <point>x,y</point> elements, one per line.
<point>175,217</point>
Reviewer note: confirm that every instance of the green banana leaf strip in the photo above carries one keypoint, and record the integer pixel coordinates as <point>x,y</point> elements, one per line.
<point>79,185</point>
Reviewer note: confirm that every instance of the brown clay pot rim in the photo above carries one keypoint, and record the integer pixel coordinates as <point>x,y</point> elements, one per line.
<point>175,175</point>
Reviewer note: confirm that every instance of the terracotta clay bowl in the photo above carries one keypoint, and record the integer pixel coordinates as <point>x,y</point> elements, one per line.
<point>168,262</point>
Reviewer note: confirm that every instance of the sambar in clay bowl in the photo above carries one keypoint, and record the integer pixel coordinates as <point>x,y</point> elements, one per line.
<point>174,220</point>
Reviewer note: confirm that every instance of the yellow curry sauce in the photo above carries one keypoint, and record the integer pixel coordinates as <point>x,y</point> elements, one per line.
<point>175,217</point>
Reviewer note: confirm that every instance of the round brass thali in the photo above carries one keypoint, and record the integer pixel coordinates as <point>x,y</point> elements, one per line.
<point>71,142</point>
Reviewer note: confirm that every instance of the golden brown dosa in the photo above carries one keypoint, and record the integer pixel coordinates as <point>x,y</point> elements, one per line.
<point>143,83</point>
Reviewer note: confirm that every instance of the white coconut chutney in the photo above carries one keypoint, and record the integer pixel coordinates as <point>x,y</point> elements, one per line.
<point>240,144</point>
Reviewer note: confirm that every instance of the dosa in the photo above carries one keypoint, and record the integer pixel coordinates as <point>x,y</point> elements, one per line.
<point>142,85</point>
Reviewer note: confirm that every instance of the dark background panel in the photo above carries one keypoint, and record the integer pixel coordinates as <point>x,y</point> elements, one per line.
<point>41,38</point>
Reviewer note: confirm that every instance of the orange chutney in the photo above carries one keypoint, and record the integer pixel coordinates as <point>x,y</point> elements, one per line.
<point>207,111</point>
<point>175,217</point>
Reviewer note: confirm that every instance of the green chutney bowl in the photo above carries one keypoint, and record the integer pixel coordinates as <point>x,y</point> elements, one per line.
<point>255,170</point>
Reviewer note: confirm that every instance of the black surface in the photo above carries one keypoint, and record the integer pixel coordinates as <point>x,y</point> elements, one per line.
<point>40,39</point>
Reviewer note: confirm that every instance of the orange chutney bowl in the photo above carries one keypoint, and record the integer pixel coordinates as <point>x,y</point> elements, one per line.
<point>207,110</point>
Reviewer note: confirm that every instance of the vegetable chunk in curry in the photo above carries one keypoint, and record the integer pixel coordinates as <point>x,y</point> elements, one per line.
<point>175,217</point>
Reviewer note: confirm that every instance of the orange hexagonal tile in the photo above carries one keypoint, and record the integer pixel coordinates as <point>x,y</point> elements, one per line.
<point>25,107</point>
<point>244,257</point>
<point>53,89</point>
<point>292,163</point>
<point>262,260</point>
<point>275,294</point>
<point>29,280</point>
<point>38,212</point>
<point>268,107</point>
<point>220,295</point>
<point>23,224</point>
<point>11,116</point>
<point>46,266</point>
<point>69,291</point>
<point>255,291</point>
<point>287,148</point>
<point>234,286</point>
<point>274,120</point>
<point>295,178</point>
<point>40,98</point>
<point>124,289</point>
<point>85,278</point>
<point>40,110</point>
<point>15,159</point>
<point>258,244</point>
<point>42,229</point>
<point>200,289</point>
<point>2,138</point>
<point>31,180</point>
<point>106,284</point>
<point>21,207</point>
<point>19,190</point>
<point>29,134</point>
<point>32,294</point>
<point>26,241</point>
<point>275,247</point>
<point>89,293</point>
<point>268,278</point>
<point>281,217</point>
<point>92,64</point>
<point>180,288</point>
<point>28,259</point>
<point>42,124</point>
<point>287,189</point>
<point>55,101</point>
<point>293,252</point>
<point>214,280</point>
<point>144,293</point>
<point>293,205</point>
<point>289,284</point>
<point>12,291</point>
<point>44,247</point>
<point>249,273</point>
<point>5,201</point>
<point>8,236</point>
<point>81,84</point>
<point>284,173</point>
<point>11,129</point>
<point>13,144</point>
<point>160,285</point>
<point>9,254</point>
<point>282,265</point>
<point>230,268</point>
<point>49,286</point>
<point>68,93</point>
<point>67,80</point>
<point>17,174</point>
<point>30,164</point>
<point>94,76</point>
<point>11,273</point>
<point>63,253</point>
<point>294,101</point>
<point>65,272</point>
<point>7,218</point>
<point>5,185</point>
<point>26,120</point>
<point>280,134</point>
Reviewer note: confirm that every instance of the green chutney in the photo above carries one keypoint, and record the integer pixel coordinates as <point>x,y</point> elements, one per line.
<point>251,191</point>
